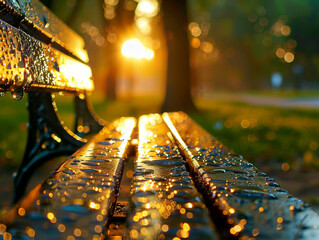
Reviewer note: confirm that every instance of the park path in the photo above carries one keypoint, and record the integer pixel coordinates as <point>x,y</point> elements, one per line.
<point>310,103</point>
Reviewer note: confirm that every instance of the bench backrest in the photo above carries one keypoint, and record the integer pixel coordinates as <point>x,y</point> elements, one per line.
<point>39,52</point>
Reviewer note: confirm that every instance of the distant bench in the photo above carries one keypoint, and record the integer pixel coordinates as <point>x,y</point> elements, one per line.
<point>159,177</point>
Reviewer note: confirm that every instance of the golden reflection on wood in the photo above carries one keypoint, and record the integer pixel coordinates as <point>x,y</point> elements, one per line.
<point>243,200</point>
<point>29,65</point>
<point>77,199</point>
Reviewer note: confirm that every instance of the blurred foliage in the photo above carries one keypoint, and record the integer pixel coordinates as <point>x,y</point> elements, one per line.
<point>238,44</point>
<point>246,36</point>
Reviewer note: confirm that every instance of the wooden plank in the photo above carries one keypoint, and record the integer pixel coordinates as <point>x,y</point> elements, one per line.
<point>30,65</point>
<point>252,203</point>
<point>36,19</point>
<point>164,201</point>
<point>76,200</point>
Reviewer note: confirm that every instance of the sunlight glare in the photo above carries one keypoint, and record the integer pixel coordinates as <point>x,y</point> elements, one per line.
<point>133,48</point>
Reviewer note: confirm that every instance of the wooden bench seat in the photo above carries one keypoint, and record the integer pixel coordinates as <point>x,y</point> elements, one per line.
<point>253,204</point>
<point>76,200</point>
<point>165,202</point>
<point>185,184</point>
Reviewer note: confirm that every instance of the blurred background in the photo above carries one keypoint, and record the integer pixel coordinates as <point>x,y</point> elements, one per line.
<point>250,77</point>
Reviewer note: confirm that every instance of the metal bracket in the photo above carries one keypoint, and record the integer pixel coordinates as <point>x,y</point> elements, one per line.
<point>86,121</point>
<point>47,138</point>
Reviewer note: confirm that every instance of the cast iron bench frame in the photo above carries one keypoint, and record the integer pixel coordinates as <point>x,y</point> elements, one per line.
<point>35,52</point>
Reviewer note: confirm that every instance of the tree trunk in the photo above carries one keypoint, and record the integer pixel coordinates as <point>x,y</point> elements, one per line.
<point>178,86</point>
<point>74,13</point>
<point>120,25</point>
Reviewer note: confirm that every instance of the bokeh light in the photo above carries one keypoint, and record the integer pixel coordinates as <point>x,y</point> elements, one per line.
<point>148,8</point>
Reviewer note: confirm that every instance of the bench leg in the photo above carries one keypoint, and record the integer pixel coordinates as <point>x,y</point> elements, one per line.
<point>85,119</point>
<point>47,138</point>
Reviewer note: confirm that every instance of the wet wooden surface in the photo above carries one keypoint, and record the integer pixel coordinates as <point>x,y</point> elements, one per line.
<point>38,21</point>
<point>182,184</point>
<point>164,201</point>
<point>77,199</point>
<point>252,203</point>
<point>31,65</point>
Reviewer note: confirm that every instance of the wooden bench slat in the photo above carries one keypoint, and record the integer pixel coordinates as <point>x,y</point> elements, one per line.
<point>165,203</point>
<point>252,203</point>
<point>75,202</point>
<point>30,65</point>
<point>35,15</point>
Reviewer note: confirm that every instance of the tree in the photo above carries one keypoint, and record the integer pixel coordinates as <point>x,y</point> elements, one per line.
<point>178,86</point>
<point>120,25</point>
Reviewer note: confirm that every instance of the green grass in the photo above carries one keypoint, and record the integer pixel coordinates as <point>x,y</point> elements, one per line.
<point>13,118</point>
<point>287,93</point>
<point>264,134</point>
<point>261,134</point>
<point>279,93</point>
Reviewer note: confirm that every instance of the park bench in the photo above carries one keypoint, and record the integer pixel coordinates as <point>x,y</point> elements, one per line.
<point>158,177</point>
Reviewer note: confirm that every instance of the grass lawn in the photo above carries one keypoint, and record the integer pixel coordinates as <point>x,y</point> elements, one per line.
<point>261,134</point>
<point>278,93</point>
<point>264,134</point>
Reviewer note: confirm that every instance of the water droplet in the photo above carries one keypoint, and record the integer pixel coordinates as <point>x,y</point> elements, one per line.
<point>144,193</point>
<point>113,139</point>
<point>158,179</point>
<point>76,208</point>
<point>179,187</point>
<point>44,196</point>
<point>242,178</point>
<point>90,163</point>
<point>247,164</point>
<point>80,184</point>
<point>270,179</point>
<point>164,162</point>
<point>68,171</point>
<point>143,172</point>
<point>89,170</point>
<point>273,184</point>
<point>17,95</point>
<point>105,143</point>
<point>262,174</point>
<point>36,216</point>
<point>246,193</point>
<point>183,181</point>
<point>161,146</point>
<point>218,181</point>
<point>218,171</point>
<point>91,191</point>
<point>99,160</point>
<point>105,185</point>
<point>281,190</point>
